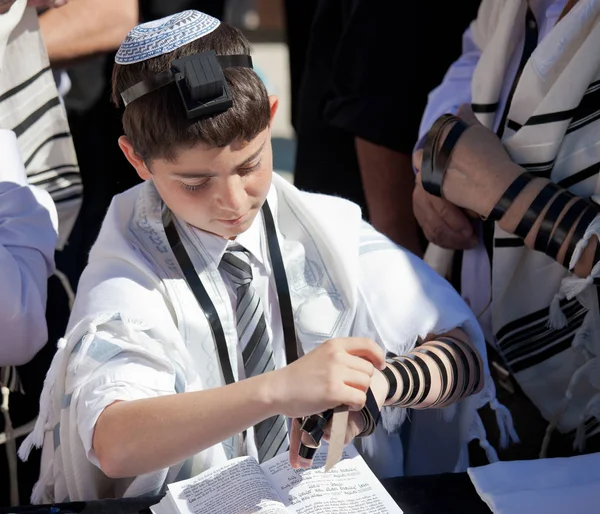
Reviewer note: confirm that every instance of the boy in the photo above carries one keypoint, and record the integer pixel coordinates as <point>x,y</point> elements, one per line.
<point>220,301</point>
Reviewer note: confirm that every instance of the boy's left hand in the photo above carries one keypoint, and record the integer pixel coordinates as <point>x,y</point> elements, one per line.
<point>379,386</point>
<point>355,427</point>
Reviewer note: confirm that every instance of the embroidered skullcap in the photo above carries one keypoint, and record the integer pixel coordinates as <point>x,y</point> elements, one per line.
<point>164,35</point>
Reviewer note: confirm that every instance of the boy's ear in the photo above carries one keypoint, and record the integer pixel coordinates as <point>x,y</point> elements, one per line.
<point>274,103</point>
<point>134,159</point>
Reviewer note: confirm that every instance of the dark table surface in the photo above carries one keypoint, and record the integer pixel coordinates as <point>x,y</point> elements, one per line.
<point>434,494</point>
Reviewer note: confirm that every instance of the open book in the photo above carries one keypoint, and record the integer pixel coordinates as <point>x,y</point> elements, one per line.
<point>242,486</point>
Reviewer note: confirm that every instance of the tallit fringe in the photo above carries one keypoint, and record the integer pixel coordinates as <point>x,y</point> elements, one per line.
<point>39,493</point>
<point>571,287</point>
<point>83,332</point>
<point>556,318</point>
<point>477,431</point>
<point>36,438</point>
<point>504,420</point>
<point>582,371</point>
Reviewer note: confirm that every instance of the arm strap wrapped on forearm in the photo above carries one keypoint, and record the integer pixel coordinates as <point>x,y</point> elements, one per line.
<point>436,374</point>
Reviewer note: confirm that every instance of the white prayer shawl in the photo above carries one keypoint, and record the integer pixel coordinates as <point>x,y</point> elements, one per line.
<point>546,320</point>
<point>133,276</point>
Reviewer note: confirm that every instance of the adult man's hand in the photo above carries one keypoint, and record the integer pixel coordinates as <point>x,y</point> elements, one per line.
<point>443,223</point>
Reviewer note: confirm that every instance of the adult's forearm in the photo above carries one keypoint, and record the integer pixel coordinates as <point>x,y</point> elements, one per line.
<point>86,27</point>
<point>510,221</point>
<point>388,181</point>
<point>136,437</point>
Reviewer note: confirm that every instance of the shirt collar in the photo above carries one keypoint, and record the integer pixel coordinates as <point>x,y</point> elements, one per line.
<point>251,240</point>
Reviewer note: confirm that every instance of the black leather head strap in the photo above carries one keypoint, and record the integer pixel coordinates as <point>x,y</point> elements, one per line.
<point>199,79</point>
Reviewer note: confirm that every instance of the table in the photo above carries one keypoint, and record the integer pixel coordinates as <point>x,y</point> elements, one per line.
<point>451,493</point>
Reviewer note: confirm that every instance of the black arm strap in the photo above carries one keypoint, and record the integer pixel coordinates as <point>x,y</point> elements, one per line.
<point>564,227</point>
<point>535,209</point>
<point>464,360</point>
<point>443,372</point>
<point>426,376</point>
<point>552,214</point>
<point>392,382</point>
<point>582,225</point>
<point>509,196</point>
<point>315,425</point>
<point>436,157</point>
<point>371,414</point>
<point>403,372</point>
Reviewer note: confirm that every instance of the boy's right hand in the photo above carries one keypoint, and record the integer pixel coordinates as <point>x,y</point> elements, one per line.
<point>337,372</point>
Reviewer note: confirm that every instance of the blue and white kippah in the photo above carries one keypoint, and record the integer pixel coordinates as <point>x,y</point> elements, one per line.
<point>164,35</point>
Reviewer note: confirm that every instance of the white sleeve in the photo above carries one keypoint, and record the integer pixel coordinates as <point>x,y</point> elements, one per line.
<point>125,375</point>
<point>455,89</point>
<point>28,235</point>
<point>402,298</point>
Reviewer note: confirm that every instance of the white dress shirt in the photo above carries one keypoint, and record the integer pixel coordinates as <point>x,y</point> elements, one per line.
<point>255,242</point>
<point>454,91</point>
<point>28,234</point>
<point>109,386</point>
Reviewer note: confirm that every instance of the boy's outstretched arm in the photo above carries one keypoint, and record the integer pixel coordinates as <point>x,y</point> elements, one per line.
<point>132,438</point>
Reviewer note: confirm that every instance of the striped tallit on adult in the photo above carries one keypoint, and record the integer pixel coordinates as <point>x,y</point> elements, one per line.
<point>546,321</point>
<point>31,107</point>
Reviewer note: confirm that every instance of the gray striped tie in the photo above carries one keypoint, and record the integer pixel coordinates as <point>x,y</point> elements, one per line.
<point>271,434</point>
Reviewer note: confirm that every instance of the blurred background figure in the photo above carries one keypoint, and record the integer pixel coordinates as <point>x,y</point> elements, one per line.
<point>81,39</point>
<point>368,69</point>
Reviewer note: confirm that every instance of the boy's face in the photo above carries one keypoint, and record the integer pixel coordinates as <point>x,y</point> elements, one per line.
<point>218,190</point>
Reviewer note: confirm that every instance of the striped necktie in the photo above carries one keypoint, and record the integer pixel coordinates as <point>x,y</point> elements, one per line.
<point>271,434</point>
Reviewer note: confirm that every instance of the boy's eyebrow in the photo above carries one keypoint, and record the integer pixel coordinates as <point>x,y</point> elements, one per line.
<point>195,174</point>
<point>253,156</point>
<point>209,174</point>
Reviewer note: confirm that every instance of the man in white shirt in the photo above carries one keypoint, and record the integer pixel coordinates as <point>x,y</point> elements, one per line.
<point>28,232</point>
<point>28,235</point>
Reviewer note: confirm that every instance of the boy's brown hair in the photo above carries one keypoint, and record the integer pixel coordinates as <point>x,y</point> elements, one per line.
<point>156,124</point>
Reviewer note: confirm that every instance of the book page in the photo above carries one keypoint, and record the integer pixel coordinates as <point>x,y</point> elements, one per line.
<point>237,487</point>
<point>350,487</point>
